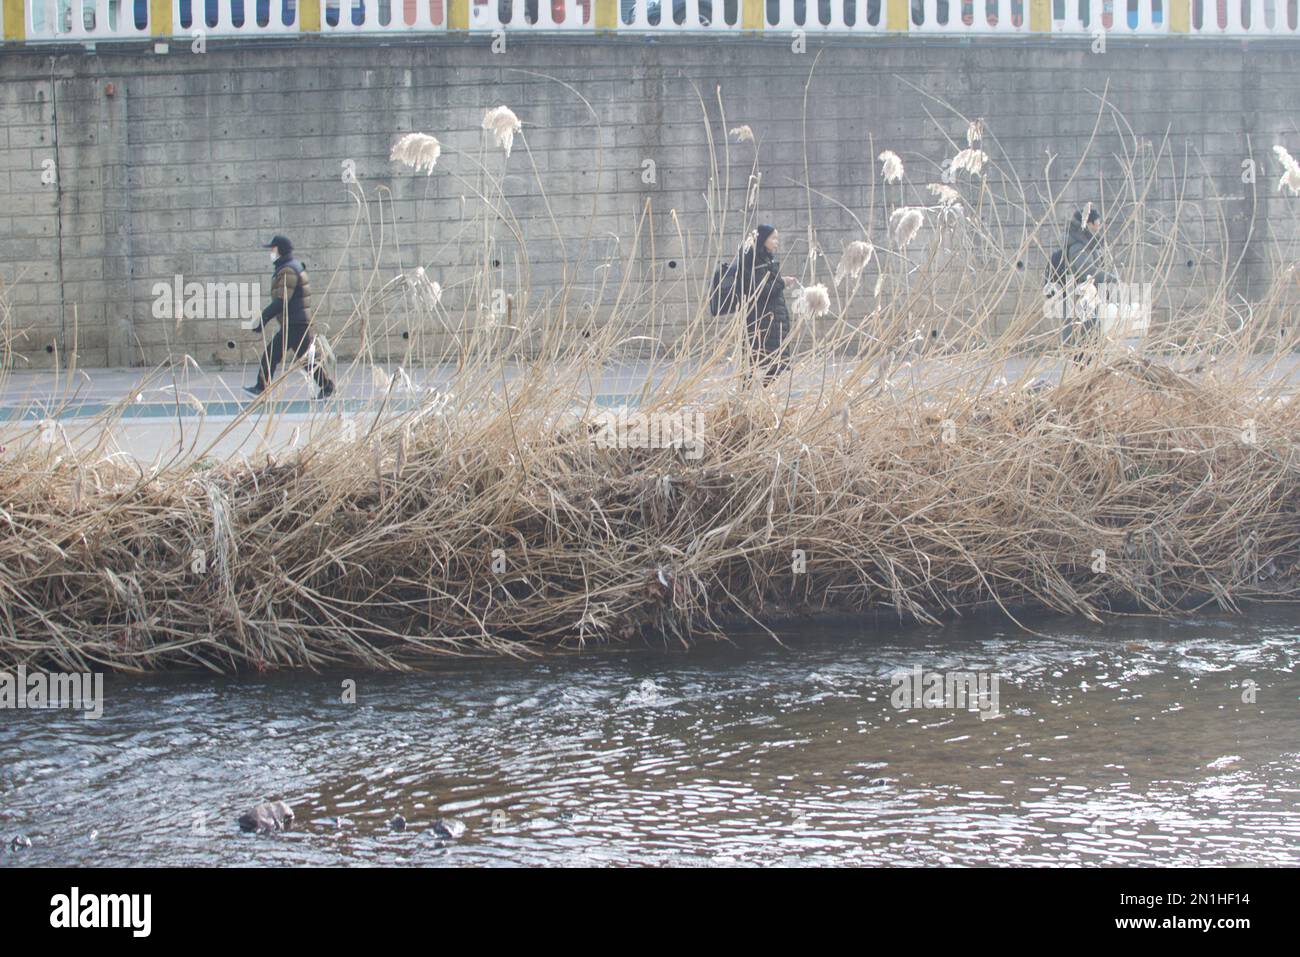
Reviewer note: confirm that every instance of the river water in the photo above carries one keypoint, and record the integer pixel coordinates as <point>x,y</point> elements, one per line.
<point>1124,744</point>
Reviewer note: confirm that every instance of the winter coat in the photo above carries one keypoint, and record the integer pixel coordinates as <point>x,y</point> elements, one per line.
<point>1085,252</point>
<point>289,285</point>
<point>759,277</point>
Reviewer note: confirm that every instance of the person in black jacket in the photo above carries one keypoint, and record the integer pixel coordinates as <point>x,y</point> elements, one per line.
<point>1085,256</point>
<point>761,287</point>
<point>1085,248</point>
<point>290,303</point>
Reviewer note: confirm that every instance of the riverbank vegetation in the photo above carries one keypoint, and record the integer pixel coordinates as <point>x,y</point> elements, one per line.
<point>933,450</point>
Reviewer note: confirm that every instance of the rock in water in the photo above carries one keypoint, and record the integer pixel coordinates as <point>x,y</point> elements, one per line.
<point>268,817</point>
<point>448,828</point>
<point>398,823</point>
<point>20,842</point>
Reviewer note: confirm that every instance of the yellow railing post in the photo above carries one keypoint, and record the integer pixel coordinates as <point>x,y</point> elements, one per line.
<point>1040,16</point>
<point>753,15</point>
<point>898,16</point>
<point>606,15</point>
<point>1180,16</point>
<point>15,20</point>
<point>458,14</point>
<point>309,16</point>
<point>160,18</point>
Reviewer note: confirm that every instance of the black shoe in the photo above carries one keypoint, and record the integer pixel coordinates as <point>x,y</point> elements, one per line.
<point>326,391</point>
<point>255,389</point>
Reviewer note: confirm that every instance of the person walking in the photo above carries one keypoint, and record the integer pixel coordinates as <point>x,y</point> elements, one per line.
<point>1085,248</point>
<point>291,304</point>
<point>759,283</point>
<point>1085,256</point>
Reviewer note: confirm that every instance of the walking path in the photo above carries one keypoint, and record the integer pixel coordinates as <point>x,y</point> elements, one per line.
<point>208,413</point>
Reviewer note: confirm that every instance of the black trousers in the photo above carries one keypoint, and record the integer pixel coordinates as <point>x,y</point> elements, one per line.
<point>768,348</point>
<point>297,339</point>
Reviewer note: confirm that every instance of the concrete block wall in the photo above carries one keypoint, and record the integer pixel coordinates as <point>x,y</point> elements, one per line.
<point>185,163</point>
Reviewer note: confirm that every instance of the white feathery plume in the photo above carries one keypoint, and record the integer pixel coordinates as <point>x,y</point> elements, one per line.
<point>891,166</point>
<point>970,160</point>
<point>854,259</point>
<point>1291,178</point>
<point>814,302</point>
<point>906,222</point>
<point>946,195</point>
<point>975,132</point>
<point>743,134</point>
<point>418,151</point>
<point>502,123</point>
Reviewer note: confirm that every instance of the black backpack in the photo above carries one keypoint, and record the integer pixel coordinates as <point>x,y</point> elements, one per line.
<point>722,290</point>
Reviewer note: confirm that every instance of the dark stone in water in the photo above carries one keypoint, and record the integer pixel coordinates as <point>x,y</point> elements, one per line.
<point>268,817</point>
<point>398,823</point>
<point>448,829</point>
<point>879,782</point>
<point>20,842</point>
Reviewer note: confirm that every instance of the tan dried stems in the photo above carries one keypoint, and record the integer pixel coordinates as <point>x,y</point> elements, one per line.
<point>893,469</point>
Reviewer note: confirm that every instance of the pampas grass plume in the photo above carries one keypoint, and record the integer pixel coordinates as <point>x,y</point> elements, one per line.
<point>891,166</point>
<point>906,222</point>
<point>503,124</point>
<point>855,258</point>
<point>1291,177</point>
<point>814,302</point>
<point>420,151</point>
<point>970,160</point>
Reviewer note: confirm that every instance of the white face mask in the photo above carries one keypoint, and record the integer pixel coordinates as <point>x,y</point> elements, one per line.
<point>274,255</point>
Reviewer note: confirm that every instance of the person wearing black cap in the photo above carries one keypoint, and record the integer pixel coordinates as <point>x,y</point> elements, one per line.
<point>290,303</point>
<point>760,284</point>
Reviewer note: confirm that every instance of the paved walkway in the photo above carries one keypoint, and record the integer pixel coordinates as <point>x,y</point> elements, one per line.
<point>209,414</point>
<point>155,417</point>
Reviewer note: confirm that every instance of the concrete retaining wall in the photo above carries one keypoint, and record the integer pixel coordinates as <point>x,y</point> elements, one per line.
<point>193,160</point>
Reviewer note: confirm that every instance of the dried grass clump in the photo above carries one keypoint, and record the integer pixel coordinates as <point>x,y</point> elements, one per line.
<point>380,551</point>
